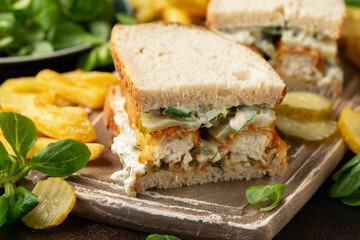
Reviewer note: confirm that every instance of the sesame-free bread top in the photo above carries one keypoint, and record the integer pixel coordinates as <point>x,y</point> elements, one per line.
<point>171,65</point>
<point>326,16</point>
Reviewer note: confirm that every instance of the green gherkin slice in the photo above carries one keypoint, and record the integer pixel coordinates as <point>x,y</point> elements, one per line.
<point>305,106</point>
<point>221,131</point>
<point>149,122</point>
<point>310,131</point>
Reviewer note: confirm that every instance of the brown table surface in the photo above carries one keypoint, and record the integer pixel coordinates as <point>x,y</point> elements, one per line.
<point>321,218</point>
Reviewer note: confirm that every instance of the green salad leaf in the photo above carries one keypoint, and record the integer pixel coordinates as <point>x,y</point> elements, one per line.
<point>26,201</point>
<point>61,158</point>
<point>68,34</point>
<point>124,18</point>
<point>354,3</point>
<point>58,159</point>
<point>347,184</point>
<point>175,112</point>
<point>4,158</point>
<point>161,237</point>
<point>353,199</point>
<point>4,207</point>
<point>82,10</point>
<point>20,132</point>
<point>273,192</point>
<point>45,13</point>
<point>98,57</point>
<point>346,168</point>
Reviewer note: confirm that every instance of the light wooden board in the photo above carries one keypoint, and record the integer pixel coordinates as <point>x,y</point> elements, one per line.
<point>211,211</point>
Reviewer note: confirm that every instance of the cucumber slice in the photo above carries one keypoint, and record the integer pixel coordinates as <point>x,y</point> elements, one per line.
<point>221,131</point>
<point>242,117</point>
<point>305,106</point>
<point>309,131</point>
<point>149,122</point>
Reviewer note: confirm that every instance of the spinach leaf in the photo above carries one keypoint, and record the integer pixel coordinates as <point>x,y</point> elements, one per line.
<point>100,28</point>
<point>45,13</point>
<point>353,199</point>
<point>355,3</point>
<point>4,157</point>
<point>347,167</point>
<point>124,18</point>
<point>82,10</point>
<point>255,194</point>
<point>26,201</point>
<point>347,184</point>
<point>4,207</point>
<point>272,32</point>
<point>68,34</point>
<point>20,132</point>
<point>161,237</point>
<point>41,47</point>
<point>175,112</point>
<point>61,158</point>
<point>98,57</point>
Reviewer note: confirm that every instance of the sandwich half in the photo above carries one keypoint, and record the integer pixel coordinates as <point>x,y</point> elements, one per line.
<point>298,37</point>
<point>193,107</point>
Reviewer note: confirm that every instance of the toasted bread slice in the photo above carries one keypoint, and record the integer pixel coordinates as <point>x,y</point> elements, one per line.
<point>316,16</point>
<point>173,65</point>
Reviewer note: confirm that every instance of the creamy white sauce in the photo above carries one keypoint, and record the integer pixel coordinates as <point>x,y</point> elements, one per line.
<point>290,37</point>
<point>332,74</point>
<point>325,46</point>
<point>239,35</point>
<point>242,118</point>
<point>124,146</point>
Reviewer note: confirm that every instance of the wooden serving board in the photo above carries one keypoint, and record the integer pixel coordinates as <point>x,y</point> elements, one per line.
<point>211,211</point>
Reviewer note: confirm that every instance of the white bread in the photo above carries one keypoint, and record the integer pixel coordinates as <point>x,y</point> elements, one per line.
<point>167,65</point>
<point>326,16</point>
<point>252,154</point>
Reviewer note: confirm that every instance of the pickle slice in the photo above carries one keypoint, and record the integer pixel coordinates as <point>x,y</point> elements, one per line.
<point>242,117</point>
<point>57,199</point>
<point>305,106</point>
<point>349,125</point>
<point>221,131</point>
<point>311,131</point>
<point>149,122</point>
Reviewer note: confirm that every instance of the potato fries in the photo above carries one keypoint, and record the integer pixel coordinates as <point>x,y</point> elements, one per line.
<point>48,100</point>
<point>49,119</point>
<point>77,92</point>
<point>96,78</point>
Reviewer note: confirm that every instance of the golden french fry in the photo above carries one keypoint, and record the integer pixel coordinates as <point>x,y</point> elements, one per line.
<point>193,7</point>
<point>76,110</point>
<point>173,14</point>
<point>96,149</point>
<point>353,13</point>
<point>353,50</point>
<point>49,119</point>
<point>81,93</point>
<point>97,78</point>
<point>351,29</point>
<point>22,85</point>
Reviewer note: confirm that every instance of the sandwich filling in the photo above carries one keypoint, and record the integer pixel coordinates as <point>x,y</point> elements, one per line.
<point>195,139</point>
<point>281,45</point>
